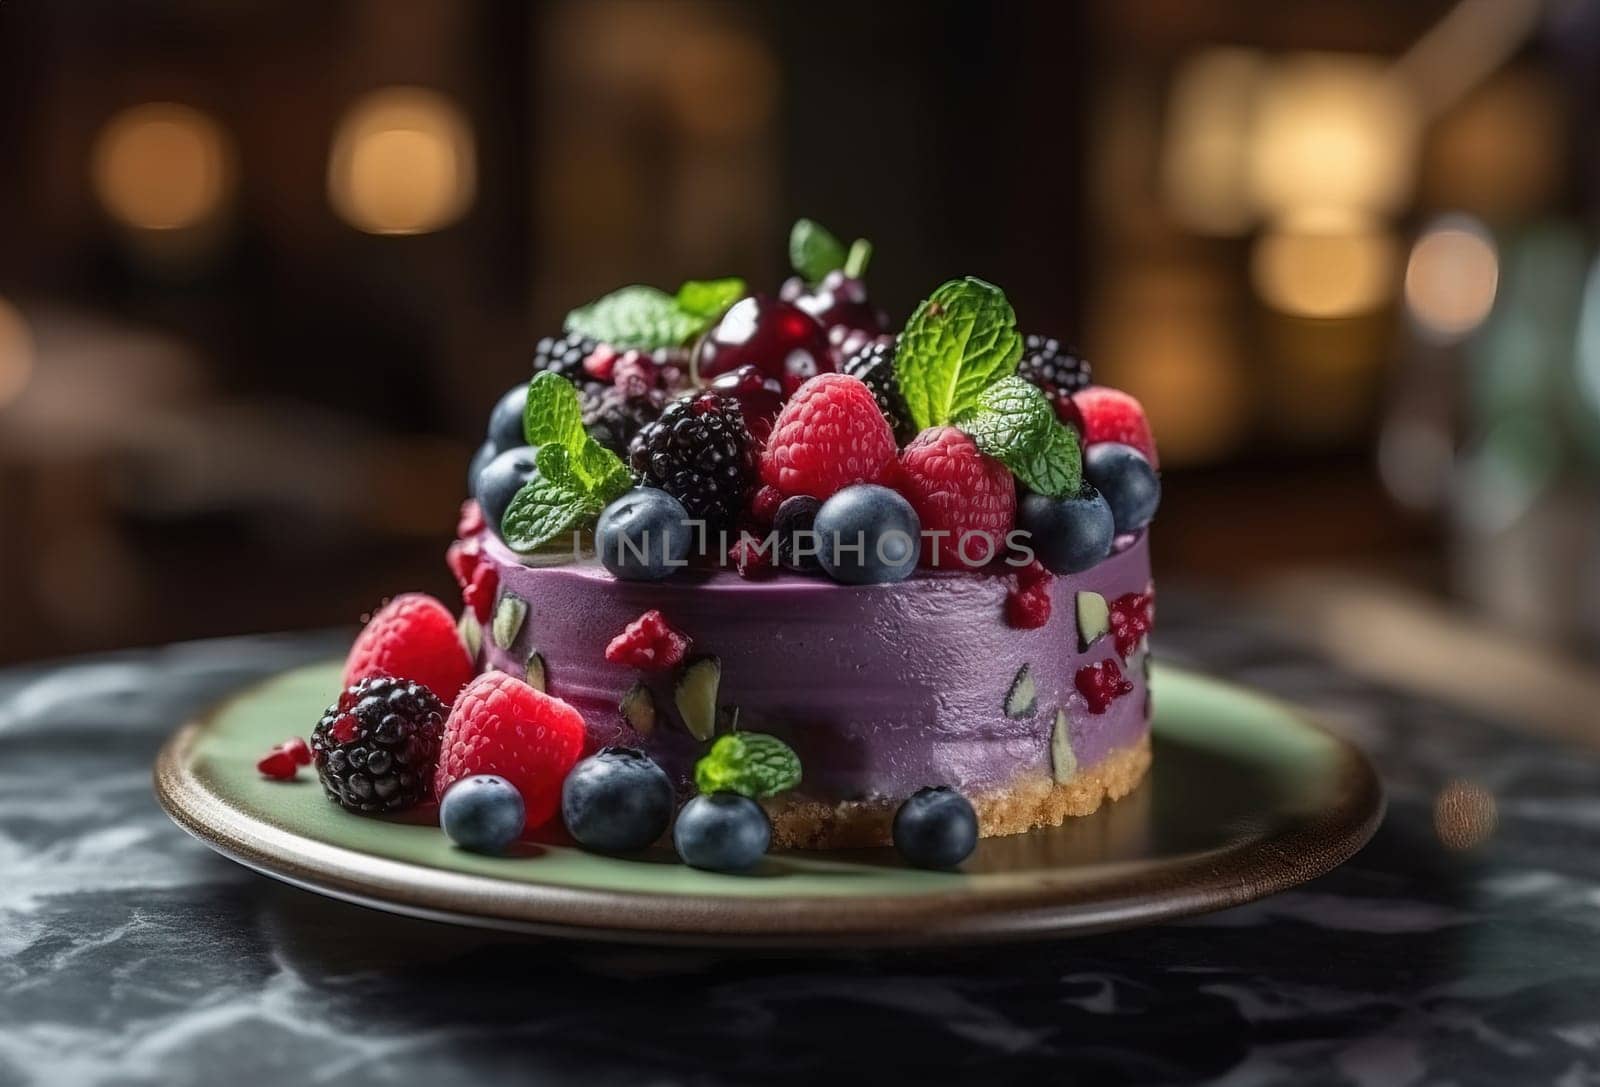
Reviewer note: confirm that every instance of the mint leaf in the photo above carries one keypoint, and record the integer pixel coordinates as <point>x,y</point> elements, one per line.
<point>709,298</point>
<point>813,251</point>
<point>602,470</point>
<point>635,317</point>
<point>547,505</point>
<point>552,415</point>
<point>751,763</point>
<point>1013,422</point>
<point>958,342</point>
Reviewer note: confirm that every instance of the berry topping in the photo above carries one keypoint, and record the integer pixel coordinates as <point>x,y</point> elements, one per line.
<point>500,725</point>
<point>617,801</point>
<point>505,421</point>
<point>700,453</point>
<point>600,363</point>
<point>470,522</point>
<point>867,535</point>
<point>1127,480</point>
<point>278,764</point>
<point>1111,415</point>
<point>764,505</point>
<point>564,355</point>
<point>794,525</point>
<point>648,643</point>
<point>874,365</point>
<point>760,398</point>
<point>784,341</point>
<point>482,813</point>
<point>935,828</point>
<point>1101,684</point>
<point>500,481</point>
<point>644,535</point>
<point>1028,604</point>
<point>1069,535</point>
<point>1131,616</point>
<point>612,416</point>
<point>961,492</point>
<point>1056,370</point>
<point>829,435</point>
<point>722,832</point>
<point>414,638</point>
<point>376,748</point>
<point>480,460</point>
<point>297,750</point>
<point>750,557</point>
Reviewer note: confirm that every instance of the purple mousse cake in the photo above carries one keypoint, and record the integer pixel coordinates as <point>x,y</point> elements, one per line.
<point>804,579</point>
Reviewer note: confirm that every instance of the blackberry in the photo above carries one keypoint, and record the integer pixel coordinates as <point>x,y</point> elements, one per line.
<point>1053,368</point>
<point>377,747</point>
<point>613,418</point>
<point>564,355</point>
<point>700,453</point>
<point>873,365</point>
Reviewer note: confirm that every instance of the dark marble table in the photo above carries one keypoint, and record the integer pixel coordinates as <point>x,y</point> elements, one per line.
<point>130,954</point>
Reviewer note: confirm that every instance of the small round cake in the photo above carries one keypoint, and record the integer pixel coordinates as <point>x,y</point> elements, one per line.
<point>881,690</point>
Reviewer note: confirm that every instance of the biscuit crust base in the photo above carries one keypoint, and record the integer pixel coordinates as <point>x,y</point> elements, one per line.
<point>1033,801</point>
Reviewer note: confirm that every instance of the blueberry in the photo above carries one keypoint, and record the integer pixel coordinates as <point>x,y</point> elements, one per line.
<point>722,832</point>
<point>616,801</point>
<point>794,523</point>
<point>500,481</point>
<point>935,828</point>
<point>644,535</point>
<point>505,421</point>
<point>868,535</point>
<point>1067,534</point>
<point>480,460</point>
<point>482,813</point>
<point>1130,485</point>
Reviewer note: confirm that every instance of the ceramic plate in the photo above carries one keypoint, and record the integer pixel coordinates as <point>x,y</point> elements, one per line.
<point>1246,797</point>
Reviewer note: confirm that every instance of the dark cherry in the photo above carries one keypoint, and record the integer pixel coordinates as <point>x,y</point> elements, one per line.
<point>841,299</point>
<point>760,398</point>
<point>785,342</point>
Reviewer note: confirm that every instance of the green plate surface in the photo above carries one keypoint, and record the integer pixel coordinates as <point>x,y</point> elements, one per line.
<point>1245,797</point>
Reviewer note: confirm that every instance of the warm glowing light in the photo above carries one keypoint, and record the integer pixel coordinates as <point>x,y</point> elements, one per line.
<point>1324,267</point>
<point>1451,278</point>
<point>16,353</point>
<point>1332,132</point>
<point>1464,815</point>
<point>1205,175</point>
<point>403,162</point>
<point>161,166</point>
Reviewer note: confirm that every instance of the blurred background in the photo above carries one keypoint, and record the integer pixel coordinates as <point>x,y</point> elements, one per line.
<point>264,268</point>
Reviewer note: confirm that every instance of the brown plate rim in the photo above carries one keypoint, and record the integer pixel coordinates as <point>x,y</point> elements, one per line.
<point>1192,884</point>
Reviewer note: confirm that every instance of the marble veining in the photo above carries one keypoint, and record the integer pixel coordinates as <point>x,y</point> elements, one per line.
<point>130,954</point>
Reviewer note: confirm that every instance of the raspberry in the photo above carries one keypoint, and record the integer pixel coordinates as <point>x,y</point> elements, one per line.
<point>750,557</point>
<point>764,506</point>
<point>297,749</point>
<point>502,726</point>
<point>464,557</point>
<point>1131,616</point>
<point>601,363</point>
<point>413,637</point>
<point>1028,605</point>
<point>278,764</point>
<point>1111,415</point>
<point>478,593</point>
<point>648,643</point>
<point>701,453</point>
<point>634,375</point>
<point>470,523</point>
<point>1101,684</point>
<point>960,491</point>
<point>376,747</point>
<point>829,435</point>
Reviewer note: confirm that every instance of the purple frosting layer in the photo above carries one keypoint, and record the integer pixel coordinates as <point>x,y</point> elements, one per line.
<point>881,689</point>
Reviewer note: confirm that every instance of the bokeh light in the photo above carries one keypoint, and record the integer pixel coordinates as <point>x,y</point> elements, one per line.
<point>1324,266</point>
<point>162,166</point>
<point>1332,132</point>
<point>403,162</point>
<point>16,353</point>
<point>1205,174</point>
<point>1451,278</point>
<point>1464,815</point>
